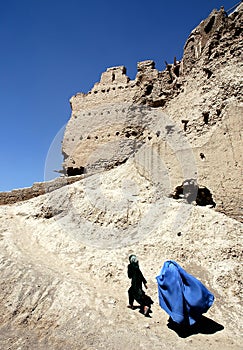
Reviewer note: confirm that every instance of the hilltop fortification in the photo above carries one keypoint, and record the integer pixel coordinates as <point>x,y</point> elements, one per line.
<point>134,143</point>
<point>198,98</point>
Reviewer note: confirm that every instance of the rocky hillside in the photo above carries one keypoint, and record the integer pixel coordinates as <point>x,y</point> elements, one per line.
<point>64,257</point>
<point>64,253</point>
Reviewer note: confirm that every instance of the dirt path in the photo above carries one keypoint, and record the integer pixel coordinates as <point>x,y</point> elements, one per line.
<point>64,295</point>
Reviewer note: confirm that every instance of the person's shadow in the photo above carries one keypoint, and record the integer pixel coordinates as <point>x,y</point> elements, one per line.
<point>205,326</point>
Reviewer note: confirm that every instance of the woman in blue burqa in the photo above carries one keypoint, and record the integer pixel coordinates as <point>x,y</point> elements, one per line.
<point>181,295</point>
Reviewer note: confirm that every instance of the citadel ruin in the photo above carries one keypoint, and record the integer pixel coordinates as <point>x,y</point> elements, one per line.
<point>152,167</point>
<point>201,94</point>
<point>198,98</point>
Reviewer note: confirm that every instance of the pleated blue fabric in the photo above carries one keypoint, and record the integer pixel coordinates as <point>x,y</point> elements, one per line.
<point>182,295</point>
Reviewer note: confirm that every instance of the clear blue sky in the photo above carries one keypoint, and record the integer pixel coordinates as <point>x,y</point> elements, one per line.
<point>52,49</point>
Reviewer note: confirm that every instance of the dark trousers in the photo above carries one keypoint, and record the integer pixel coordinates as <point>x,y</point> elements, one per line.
<point>140,297</point>
<point>136,294</point>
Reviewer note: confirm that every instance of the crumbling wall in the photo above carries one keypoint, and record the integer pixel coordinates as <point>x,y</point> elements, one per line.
<point>105,115</point>
<point>209,107</point>
<point>36,190</point>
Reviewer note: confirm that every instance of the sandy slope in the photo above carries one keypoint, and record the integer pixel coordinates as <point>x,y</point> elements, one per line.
<point>64,257</point>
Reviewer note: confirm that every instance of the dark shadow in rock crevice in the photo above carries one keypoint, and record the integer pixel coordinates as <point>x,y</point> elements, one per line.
<point>190,191</point>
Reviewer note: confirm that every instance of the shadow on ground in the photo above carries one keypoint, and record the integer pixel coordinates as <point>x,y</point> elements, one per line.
<point>204,326</point>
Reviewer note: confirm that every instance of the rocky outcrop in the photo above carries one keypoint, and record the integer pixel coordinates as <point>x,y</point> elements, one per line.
<point>198,99</point>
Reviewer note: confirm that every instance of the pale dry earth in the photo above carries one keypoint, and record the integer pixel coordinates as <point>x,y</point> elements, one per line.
<point>64,257</point>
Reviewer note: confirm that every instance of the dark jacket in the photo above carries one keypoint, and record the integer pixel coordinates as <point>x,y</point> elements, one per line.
<point>136,276</point>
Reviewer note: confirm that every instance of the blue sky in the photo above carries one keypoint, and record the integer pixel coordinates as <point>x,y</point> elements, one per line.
<point>52,49</point>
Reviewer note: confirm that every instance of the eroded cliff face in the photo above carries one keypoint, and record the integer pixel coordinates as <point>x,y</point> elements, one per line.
<point>179,124</point>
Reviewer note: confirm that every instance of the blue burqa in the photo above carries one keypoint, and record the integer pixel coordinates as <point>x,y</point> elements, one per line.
<point>181,295</point>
